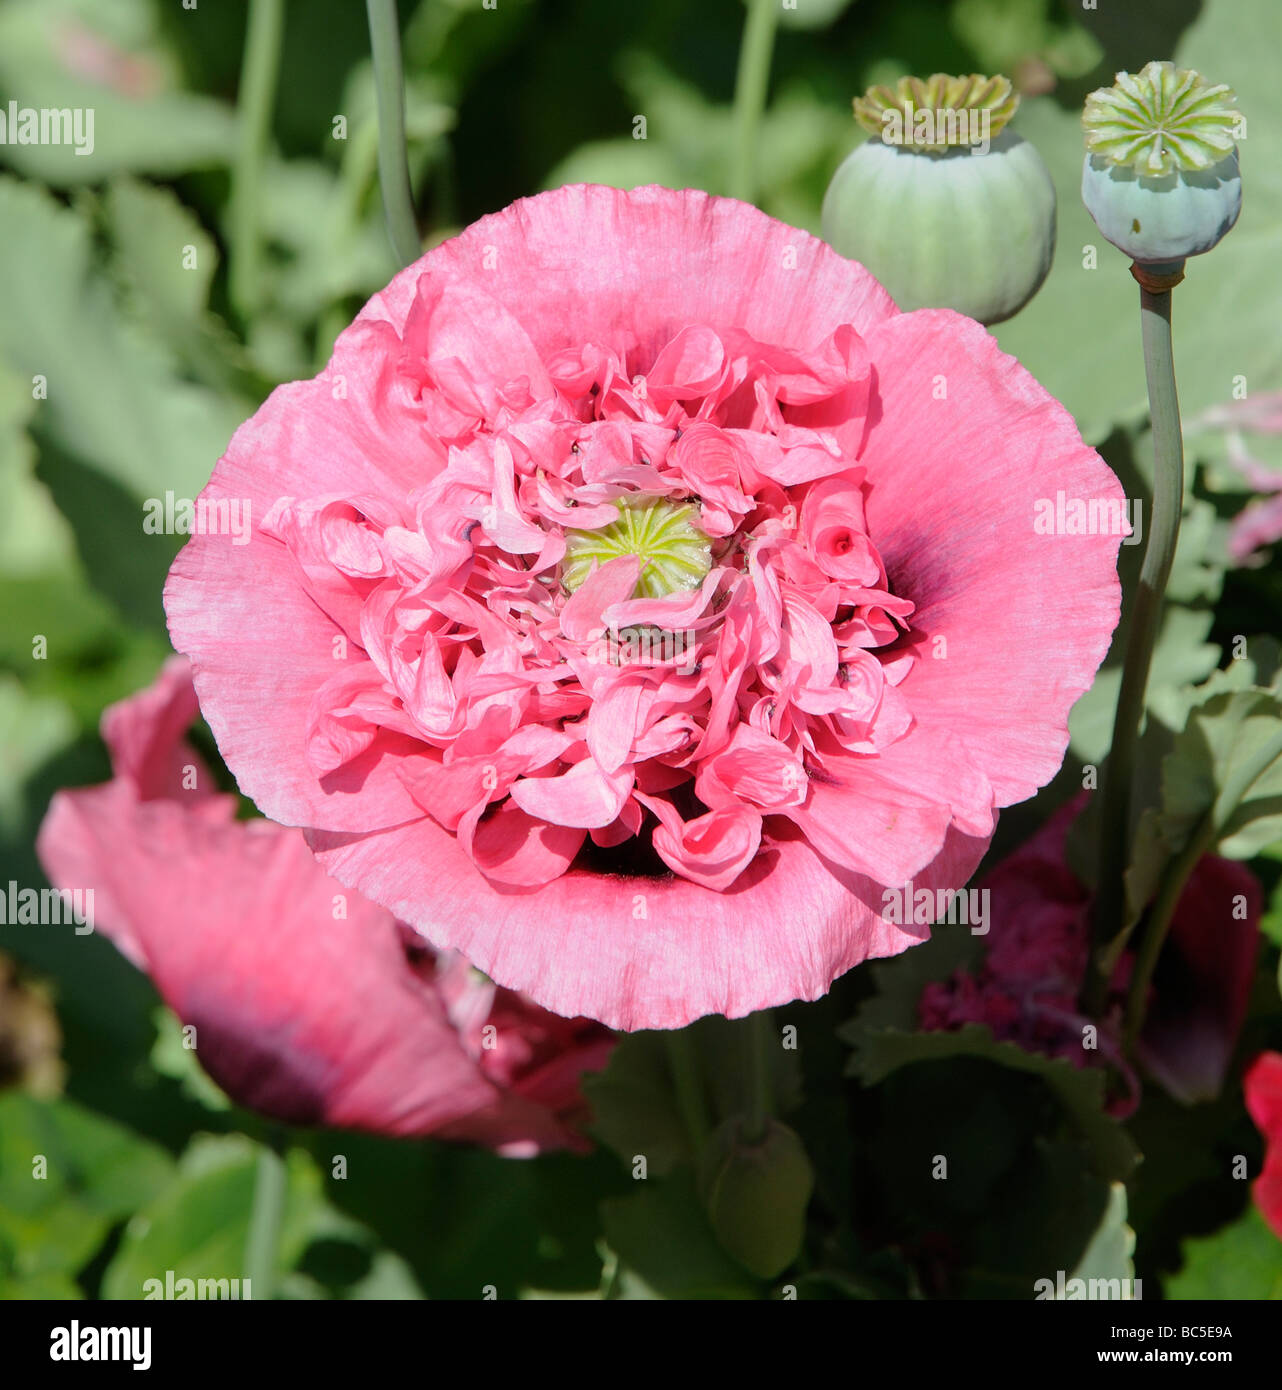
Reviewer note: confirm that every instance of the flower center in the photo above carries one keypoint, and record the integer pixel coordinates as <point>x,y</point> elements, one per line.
<point>1162,120</point>
<point>675,555</point>
<point>939,113</point>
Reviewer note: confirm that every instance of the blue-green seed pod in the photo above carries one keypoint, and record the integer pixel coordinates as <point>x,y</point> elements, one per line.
<point>1161,176</point>
<point>945,206</point>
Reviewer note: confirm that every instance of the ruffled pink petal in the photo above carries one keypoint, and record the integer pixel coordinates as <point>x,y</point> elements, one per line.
<point>712,849</point>
<point>587,796</point>
<point>517,848</point>
<point>608,584</point>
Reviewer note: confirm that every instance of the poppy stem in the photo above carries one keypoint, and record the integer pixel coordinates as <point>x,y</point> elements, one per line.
<point>687,1081</point>
<point>751,84</point>
<point>270,1183</point>
<point>256,99</point>
<point>1159,924</point>
<point>1114,847</point>
<point>393,158</point>
<point>759,1036</point>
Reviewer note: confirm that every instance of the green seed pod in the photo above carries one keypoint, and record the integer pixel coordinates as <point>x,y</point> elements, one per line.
<point>675,555</point>
<point>946,207</point>
<point>1161,174</point>
<point>756,1195</point>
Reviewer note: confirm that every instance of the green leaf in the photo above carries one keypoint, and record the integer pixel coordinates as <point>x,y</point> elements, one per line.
<point>1241,1261</point>
<point>801,141</point>
<point>661,1235</point>
<point>39,1287</point>
<point>1002,33</point>
<point>1108,1256</point>
<point>634,1107</point>
<point>1271,920</point>
<point>107,58</point>
<point>1080,1090</point>
<point>1222,780</point>
<point>1224,325</point>
<point>32,729</point>
<point>161,249</point>
<point>1222,764</point>
<point>34,537</point>
<point>198,1225</point>
<point>67,1175</point>
<point>116,400</point>
<point>634,1102</point>
<point>171,1057</point>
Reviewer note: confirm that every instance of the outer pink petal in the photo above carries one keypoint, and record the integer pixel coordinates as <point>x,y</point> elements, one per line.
<point>260,647</point>
<point>561,264</point>
<point>961,447</point>
<point>147,737</point>
<point>642,952</point>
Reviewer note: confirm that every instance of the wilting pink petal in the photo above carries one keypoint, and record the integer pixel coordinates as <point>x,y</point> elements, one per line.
<point>310,1003</point>
<point>1258,525</point>
<point>1203,981</point>
<point>865,594</point>
<point>1037,947</point>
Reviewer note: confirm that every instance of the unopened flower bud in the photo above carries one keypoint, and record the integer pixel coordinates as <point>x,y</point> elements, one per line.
<point>756,1193</point>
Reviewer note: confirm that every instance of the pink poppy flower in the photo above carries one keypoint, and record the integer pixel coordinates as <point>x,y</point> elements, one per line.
<point>1035,956</point>
<point>636,592</point>
<point>309,1003</point>
<point>1263,1087</point>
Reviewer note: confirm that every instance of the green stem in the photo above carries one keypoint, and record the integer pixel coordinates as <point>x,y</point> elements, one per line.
<point>684,1066</point>
<point>265,1222</point>
<point>751,84</point>
<point>1200,842</point>
<point>260,69</point>
<point>1159,924</point>
<point>759,1039</point>
<point>1146,615</point>
<point>393,159</point>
